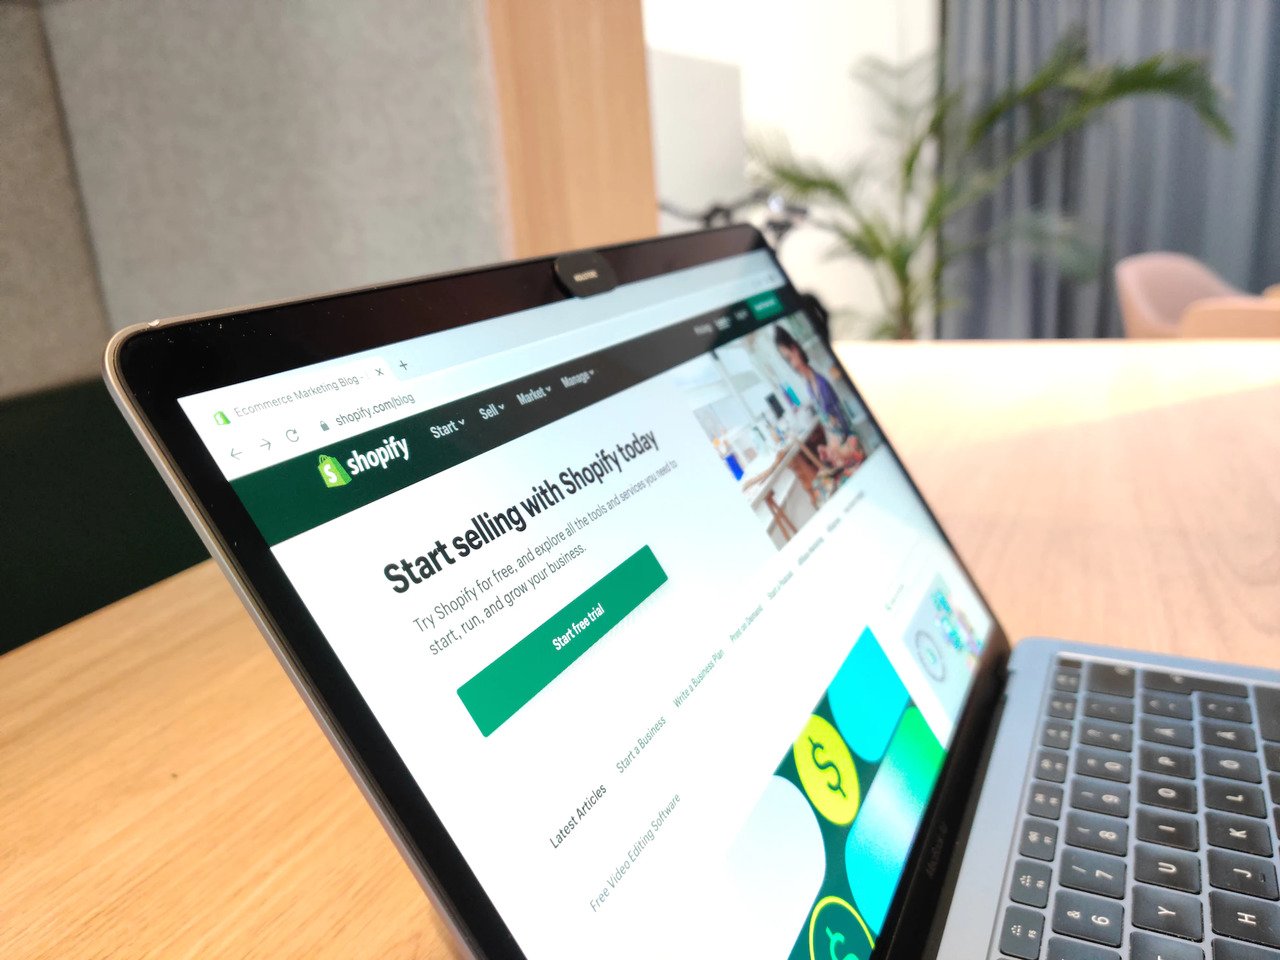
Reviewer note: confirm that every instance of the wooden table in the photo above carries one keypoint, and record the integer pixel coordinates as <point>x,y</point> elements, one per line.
<point>163,793</point>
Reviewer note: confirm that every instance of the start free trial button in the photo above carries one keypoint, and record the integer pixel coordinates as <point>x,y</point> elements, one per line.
<point>493,695</point>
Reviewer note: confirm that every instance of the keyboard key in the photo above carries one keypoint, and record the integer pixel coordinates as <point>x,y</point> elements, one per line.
<point>1169,829</point>
<point>1243,874</point>
<point>1110,678</point>
<point>1062,706</point>
<point>1169,733</point>
<point>1235,950</point>
<point>1101,707</point>
<point>1045,801</point>
<point>1165,911</point>
<point>1181,683</point>
<point>1274,781</point>
<point>1092,873</point>
<point>1226,708</point>
<point>1166,760</point>
<point>1021,933</point>
<point>1107,764</point>
<point>1268,700</point>
<point>1232,764</point>
<point>1099,796</point>
<point>1272,753</point>
<point>1030,885</point>
<point>1089,918</point>
<point>1167,705</point>
<point>1060,949</point>
<point>1245,918</point>
<point>1056,734</point>
<point>1066,680</point>
<point>1039,839</point>
<point>1224,733</point>
<point>1099,733</point>
<point>1234,797</point>
<point>1231,832</point>
<point>1168,682</point>
<point>1094,832</point>
<point>1051,765</point>
<point>1167,868</point>
<point>1146,946</point>
<point>1170,794</point>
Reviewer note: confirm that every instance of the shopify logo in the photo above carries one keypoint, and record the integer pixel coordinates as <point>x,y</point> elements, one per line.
<point>334,474</point>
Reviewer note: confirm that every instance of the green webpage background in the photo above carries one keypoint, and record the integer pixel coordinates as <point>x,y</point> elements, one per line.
<point>711,724</point>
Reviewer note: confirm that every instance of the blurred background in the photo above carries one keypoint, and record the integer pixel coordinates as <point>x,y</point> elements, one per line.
<point>927,168</point>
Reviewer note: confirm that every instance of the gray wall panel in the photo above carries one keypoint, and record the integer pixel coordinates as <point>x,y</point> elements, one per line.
<point>52,326</point>
<point>243,150</point>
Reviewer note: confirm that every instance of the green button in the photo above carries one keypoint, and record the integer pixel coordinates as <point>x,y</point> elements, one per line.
<point>765,305</point>
<point>493,695</point>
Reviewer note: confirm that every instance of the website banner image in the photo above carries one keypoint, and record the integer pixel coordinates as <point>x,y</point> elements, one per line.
<point>783,418</point>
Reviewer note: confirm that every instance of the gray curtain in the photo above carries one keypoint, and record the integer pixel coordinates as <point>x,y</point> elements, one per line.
<point>1146,176</point>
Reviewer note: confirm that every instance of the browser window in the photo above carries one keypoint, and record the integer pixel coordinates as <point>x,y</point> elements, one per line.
<point>643,600</point>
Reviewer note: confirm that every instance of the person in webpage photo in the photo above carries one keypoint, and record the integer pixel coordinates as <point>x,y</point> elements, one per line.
<point>624,660</point>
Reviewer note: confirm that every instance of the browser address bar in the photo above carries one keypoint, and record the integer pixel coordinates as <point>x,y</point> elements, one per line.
<point>497,368</point>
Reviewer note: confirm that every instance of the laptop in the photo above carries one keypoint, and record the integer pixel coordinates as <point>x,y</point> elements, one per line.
<point>616,601</point>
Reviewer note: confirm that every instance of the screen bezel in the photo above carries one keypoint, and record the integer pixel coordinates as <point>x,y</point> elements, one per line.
<point>150,367</point>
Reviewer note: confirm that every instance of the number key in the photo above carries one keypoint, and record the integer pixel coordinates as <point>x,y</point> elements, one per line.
<point>1226,708</point>
<point>1051,765</point>
<point>1093,873</point>
<point>1089,918</point>
<point>1030,885</point>
<point>1039,839</point>
<point>1056,734</point>
<point>1099,796</point>
<point>1167,705</point>
<point>1045,801</point>
<point>1107,764</point>
<point>1094,832</point>
<point>1100,707</point>
<point>1021,932</point>
<point>1062,706</point>
<point>1099,733</point>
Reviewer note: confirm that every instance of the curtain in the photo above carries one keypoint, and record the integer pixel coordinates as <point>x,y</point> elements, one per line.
<point>1146,175</point>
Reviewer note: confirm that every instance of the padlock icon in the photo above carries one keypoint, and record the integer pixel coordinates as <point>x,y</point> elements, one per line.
<point>332,473</point>
<point>324,425</point>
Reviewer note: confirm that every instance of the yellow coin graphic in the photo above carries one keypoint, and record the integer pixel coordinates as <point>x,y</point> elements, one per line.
<point>836,932</point>
<point>827,772</point>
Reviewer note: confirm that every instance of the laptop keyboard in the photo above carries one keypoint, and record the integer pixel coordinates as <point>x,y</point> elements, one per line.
<point>1149,828</point>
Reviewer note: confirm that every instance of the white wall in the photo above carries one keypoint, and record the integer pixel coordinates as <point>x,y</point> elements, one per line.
<point>793,61</point>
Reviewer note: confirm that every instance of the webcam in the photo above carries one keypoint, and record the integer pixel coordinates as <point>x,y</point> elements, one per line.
<point>585,274</point>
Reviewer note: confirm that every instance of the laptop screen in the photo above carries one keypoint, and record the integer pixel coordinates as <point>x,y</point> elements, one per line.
<point>641,597</point>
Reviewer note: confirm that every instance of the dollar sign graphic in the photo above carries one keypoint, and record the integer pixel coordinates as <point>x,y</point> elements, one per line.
<point>814,747</point>
<point>835,940</point>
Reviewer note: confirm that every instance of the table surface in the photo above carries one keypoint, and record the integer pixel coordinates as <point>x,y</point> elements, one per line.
<point>165,793</point>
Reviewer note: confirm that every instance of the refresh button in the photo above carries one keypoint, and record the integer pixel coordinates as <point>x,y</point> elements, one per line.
<point>291,435</point>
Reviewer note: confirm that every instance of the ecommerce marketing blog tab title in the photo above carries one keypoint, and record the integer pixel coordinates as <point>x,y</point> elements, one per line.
<point>486,527</point>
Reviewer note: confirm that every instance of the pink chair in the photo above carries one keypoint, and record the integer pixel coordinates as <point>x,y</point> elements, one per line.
<point>1220,317</point>
<point>1155,290</point>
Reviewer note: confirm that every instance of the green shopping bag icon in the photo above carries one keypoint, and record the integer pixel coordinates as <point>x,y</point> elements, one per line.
<point>332,473</point>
